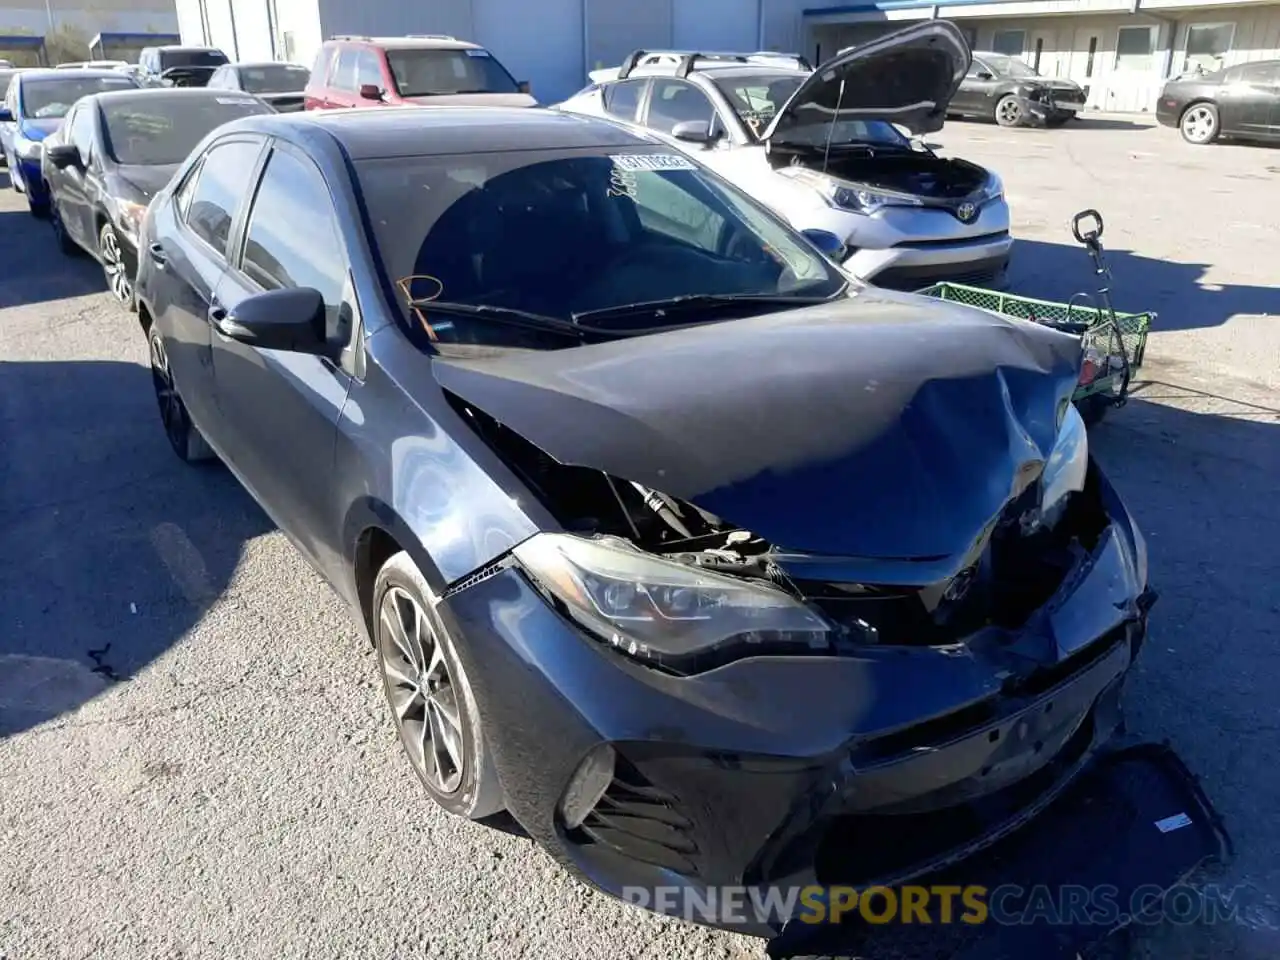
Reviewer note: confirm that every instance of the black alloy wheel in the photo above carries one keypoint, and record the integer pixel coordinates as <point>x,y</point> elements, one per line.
<point>431,701</point>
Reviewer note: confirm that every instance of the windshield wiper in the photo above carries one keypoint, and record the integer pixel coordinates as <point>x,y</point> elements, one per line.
<point>508,315</point>
<point>693,301</point>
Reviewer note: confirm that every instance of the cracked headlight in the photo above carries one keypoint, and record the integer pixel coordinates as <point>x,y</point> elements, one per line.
<point>663,612</point>
<point>847,195</point>
<point>28,149</point>
<point>1067,467</point>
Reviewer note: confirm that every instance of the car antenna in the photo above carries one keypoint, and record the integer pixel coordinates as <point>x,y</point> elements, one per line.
<point>831,131</point>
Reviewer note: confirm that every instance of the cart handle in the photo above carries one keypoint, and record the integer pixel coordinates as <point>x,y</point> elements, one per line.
<point>1086,227</point>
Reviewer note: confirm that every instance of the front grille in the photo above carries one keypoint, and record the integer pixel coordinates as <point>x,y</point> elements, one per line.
<point>641,822</point>
<point>864,848</point>
<point>973,273</point>
<point>950,242</point>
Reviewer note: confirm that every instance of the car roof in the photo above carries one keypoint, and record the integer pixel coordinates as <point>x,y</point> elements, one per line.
<point>89,73</point>
<point>256,64</point>
<point>387,132</point>
<point>409,43</point>
<point>722,69</point>
<point>169,93</point>
<point>183,46</point>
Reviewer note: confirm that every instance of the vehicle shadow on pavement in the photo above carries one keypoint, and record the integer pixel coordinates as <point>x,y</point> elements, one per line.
<point>1088,121</point>
<point>1198,472</point>
<point>1081,122</point>
<point>36,271</point>
<point>1059,271</point>
<point>111,549</point>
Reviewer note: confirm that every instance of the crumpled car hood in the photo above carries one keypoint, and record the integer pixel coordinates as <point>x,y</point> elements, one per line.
<point>887,427</point>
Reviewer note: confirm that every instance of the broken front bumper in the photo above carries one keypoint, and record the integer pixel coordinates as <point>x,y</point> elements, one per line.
<point>786,772</point>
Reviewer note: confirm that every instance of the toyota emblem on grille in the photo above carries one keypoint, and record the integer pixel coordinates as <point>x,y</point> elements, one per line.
<point>966,212</point>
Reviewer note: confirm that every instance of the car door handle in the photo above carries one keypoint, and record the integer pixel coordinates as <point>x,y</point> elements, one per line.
<point>157,255</point>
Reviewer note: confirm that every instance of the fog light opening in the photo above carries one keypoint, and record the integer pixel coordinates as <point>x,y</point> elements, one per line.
<point>587,785</point>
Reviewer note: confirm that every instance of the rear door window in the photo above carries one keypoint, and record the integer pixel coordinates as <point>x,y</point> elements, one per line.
<point>622,99</point>
<point>675,101</point>
<point>224,180</point>
<point>344,71</point>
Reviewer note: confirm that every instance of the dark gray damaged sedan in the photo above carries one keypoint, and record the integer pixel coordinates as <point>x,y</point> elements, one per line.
<point>698,558</point>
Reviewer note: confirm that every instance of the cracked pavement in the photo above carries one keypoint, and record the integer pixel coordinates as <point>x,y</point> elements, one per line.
<point>241,793</point>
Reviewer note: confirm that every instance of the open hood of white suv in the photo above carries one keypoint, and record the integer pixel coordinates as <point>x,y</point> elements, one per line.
<point>907,78</point>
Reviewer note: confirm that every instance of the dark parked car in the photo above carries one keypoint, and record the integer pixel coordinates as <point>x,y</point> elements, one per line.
<point>178,66</point>
<point>1241,101</point>
<point>112,154</point>
<point>673,542</point>
<point>35,106</point>
<point>279,84</point>
<point>1008,91</point>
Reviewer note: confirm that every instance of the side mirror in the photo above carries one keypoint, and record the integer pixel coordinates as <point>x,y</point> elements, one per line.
<point>370,91</point>
<point>694,131</point>
<point>6,115</point>
<point>292,320</point>
<point>827,243</point>
<point>63,155</point>
<point>523,87</point>
<point>984,75</point>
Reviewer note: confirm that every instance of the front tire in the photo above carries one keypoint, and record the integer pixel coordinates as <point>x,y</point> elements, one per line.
<point>38,208</point>
<point>114,268</point>
<point>182,434</point>
<point>1009,111</point>
<point>1199,124</point>
<point>432,704</point>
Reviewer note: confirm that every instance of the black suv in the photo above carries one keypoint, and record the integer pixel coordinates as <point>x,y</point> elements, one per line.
<point>179,66</point>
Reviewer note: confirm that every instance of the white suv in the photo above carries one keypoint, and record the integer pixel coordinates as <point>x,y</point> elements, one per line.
<point>824,149</point>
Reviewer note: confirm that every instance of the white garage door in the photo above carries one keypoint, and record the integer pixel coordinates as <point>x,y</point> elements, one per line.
<point>716,24</point>
<point>544,48</point>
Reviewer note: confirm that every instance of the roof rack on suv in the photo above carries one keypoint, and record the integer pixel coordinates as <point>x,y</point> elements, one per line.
<point>349,36</point>
<point>429,36</point>
<point>686,60</point>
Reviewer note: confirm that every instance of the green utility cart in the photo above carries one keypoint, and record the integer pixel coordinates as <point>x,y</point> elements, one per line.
<point>1114,343</point>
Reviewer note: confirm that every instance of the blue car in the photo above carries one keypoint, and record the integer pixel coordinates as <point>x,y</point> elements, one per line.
<point>34,106</point>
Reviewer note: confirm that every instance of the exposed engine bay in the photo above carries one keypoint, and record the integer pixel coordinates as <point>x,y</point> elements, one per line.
<point>916,173</point>
<point>1025,557</point>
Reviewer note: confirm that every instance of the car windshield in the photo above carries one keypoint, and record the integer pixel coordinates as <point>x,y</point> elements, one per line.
<point>1003,66</point>
<point>51,99</point>
<point>192,58</point>
<point>758,98</point>
<point>154,129</point>
<point>560,233</point>
<point>273,78</point>
<point>426,73</point>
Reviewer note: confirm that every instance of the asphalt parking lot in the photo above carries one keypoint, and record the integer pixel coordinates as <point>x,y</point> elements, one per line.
<point>196,760</point>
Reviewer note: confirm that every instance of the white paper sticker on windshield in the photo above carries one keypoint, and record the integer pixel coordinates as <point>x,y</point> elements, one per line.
<point>651,161</point>
<point>477,53</point>
<point>236,101</point>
